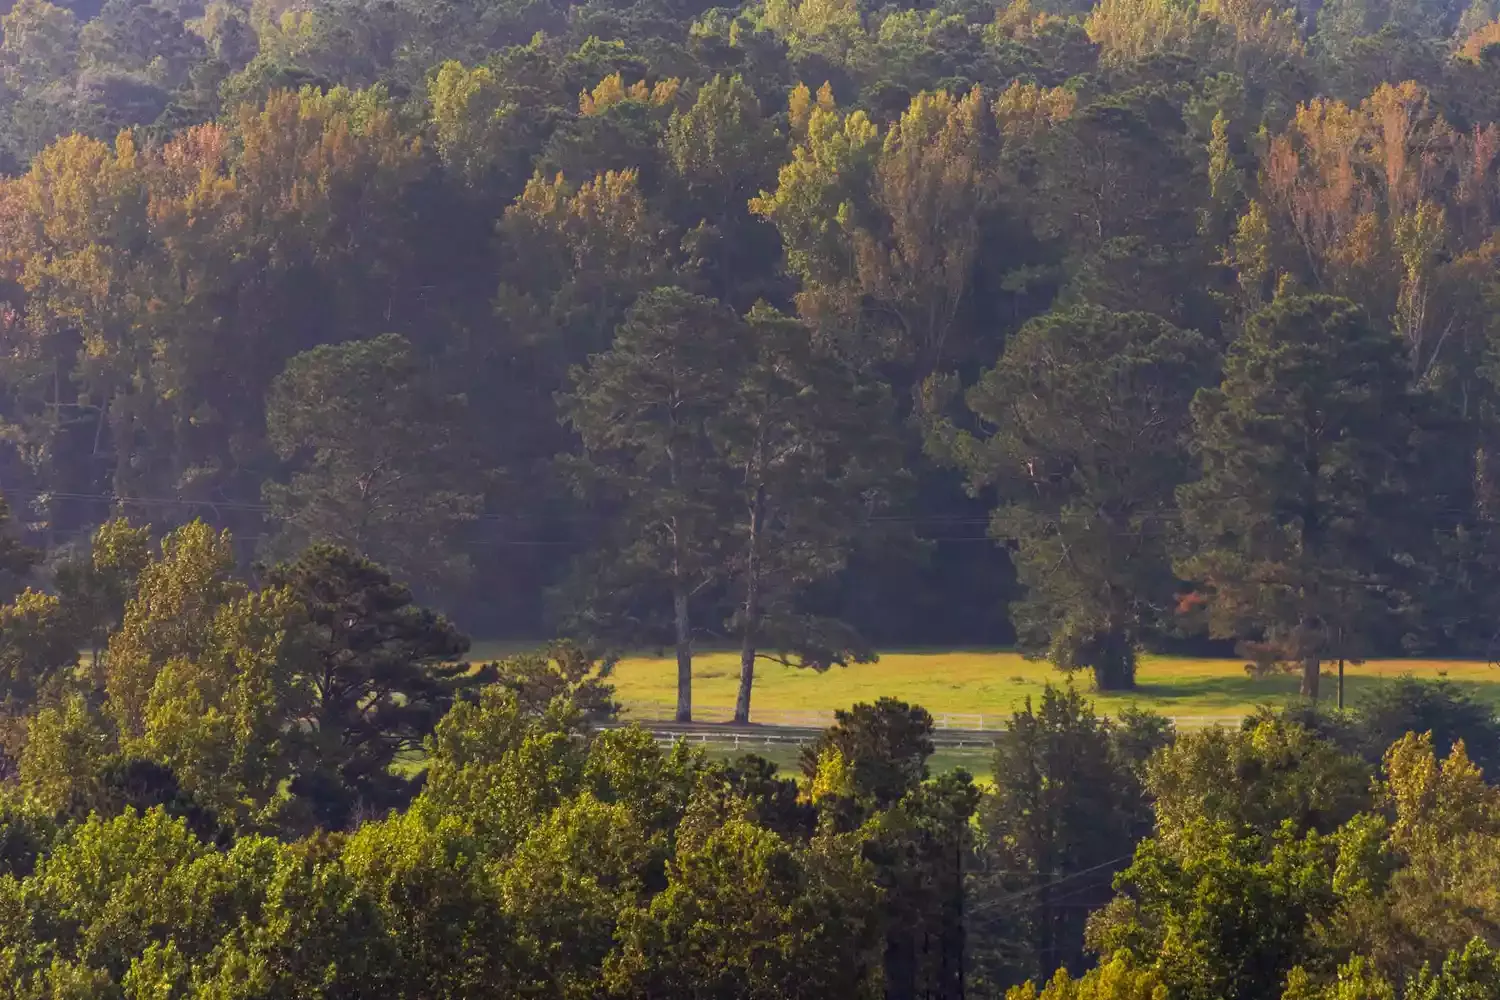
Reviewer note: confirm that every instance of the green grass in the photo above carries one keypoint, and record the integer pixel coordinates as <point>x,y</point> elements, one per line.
<point>988,682</point>
<point>996,682</point>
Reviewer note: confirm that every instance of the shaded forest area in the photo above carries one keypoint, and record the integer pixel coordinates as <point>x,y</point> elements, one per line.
<point>669,324</point>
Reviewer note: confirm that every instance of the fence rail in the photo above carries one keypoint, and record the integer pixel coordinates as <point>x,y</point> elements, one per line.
<point>738,740</point>
<point>646,712</point>
<point>665,712</point>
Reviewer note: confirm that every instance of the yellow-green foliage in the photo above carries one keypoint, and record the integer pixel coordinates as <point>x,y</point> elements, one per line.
<point>170,616</point>
<point>1116,979</point>
<point>65,747</point>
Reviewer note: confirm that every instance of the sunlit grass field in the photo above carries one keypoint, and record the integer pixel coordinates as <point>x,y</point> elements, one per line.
<point>997,682</point>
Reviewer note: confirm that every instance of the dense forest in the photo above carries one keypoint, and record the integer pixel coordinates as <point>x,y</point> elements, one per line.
<point>805,328</point>
<point>290,790</point>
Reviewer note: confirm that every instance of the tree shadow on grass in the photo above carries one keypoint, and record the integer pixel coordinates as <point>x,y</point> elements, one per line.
<point>1206,695</point>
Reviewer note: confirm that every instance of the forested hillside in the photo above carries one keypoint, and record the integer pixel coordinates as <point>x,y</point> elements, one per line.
<point>803,328</point>
<point>661,324</point>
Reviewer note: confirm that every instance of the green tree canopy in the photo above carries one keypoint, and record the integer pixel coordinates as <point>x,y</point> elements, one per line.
<point>378,453</point>
<point>1068,807</point>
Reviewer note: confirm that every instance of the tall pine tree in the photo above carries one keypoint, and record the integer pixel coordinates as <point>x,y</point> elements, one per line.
<point>1083,425</point>
<point>813,454</point>
<point>1303,516</point>
<point>644,410</point>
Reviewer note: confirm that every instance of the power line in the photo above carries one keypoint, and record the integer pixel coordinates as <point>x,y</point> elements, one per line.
<point>263,510</point>
<point>1141,524</point>
<point>1022,894</point>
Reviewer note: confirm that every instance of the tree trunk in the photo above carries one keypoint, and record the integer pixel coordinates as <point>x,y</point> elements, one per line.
<point>751,624</point>
<point>747,674</point>
<point>1312,672</point>
<point>684,655</point>
<point>747,646</point>
<point>1114,668</point>
<point>958,943</point>
<point>900,961</point>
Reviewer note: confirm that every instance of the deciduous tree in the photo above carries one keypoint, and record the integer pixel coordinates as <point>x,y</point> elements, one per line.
<point>94,586</point>
<point>170,617</point>
<point>37,647</point>
<point>1067,808</point>
<point>709,933</point>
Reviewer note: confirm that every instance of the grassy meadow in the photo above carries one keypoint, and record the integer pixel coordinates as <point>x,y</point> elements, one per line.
<point>994,681</point>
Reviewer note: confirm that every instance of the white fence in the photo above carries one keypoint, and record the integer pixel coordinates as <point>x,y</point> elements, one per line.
<point>664,712</point>
<point>768,742</point>
<point>646,712</point>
